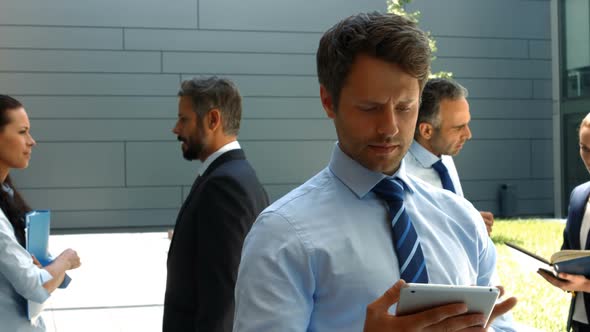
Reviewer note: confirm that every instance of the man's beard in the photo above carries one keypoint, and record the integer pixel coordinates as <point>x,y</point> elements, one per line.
<point>193,148</point>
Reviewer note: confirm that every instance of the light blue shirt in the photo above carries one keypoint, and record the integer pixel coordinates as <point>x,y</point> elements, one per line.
<point>20,280</point>
<point>419,162</point>
<point>318,256</point>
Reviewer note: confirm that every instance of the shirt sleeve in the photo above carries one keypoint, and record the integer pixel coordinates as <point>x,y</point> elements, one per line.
<point>488,277</point>
<point>275,286</point>
<point>16,264</point>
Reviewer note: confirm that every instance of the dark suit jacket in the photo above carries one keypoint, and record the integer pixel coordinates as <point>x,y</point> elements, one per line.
<point>207,244</point>
<point>571,234</point>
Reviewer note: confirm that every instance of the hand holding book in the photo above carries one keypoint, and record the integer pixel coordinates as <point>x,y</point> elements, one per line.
<point>566,269</point>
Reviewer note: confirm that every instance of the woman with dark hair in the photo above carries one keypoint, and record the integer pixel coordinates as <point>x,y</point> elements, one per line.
<point>21,276</point>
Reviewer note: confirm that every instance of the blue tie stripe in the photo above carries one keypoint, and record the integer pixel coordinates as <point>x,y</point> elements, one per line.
<point>396,218</point>
<point>405,239</point>
<point>419,273</point>
<point>400,242</point>
<point>410,256</point>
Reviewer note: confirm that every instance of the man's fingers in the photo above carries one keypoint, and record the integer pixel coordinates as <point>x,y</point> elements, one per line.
<point>568,277</point>
<point>502,308</point>
<point>460,323</point>
<point>390,297</point>
<point>438,314</point>
<point>551,278</point>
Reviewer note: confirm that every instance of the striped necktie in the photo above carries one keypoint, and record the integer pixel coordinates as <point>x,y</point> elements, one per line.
<point>443,173</point>
<point>405,239</point>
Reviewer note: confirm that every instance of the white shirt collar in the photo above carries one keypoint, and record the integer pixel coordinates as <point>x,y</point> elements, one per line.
<point>422,155</point>
<point>228,147</point>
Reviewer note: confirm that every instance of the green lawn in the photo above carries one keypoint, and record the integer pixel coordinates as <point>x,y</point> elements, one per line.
<point>540,305</point>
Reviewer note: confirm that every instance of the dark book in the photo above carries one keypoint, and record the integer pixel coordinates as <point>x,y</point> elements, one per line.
<point>566,261</point>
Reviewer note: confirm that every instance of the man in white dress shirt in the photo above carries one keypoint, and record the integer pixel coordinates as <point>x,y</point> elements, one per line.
<point>441,131</point>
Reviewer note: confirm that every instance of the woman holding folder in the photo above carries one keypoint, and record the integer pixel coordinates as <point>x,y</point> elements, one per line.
<point>21,277</point>
<point>575,236</point>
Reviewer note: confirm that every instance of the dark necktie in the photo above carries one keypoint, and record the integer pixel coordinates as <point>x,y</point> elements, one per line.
<point>443,173</point>
<point>405,239</point>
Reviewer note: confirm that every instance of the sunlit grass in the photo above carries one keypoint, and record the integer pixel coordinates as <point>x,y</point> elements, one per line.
<point>540,305</point>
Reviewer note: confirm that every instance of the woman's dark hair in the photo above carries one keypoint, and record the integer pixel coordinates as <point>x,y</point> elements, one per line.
<point>13,206</point>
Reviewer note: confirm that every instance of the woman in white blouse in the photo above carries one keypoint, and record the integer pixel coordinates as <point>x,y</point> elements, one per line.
<point>21,277</point>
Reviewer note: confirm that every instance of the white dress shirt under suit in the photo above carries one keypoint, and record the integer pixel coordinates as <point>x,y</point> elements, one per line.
<point>419,162</point>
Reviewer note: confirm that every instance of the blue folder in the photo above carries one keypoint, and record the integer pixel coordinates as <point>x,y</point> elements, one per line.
<point>37,244</point>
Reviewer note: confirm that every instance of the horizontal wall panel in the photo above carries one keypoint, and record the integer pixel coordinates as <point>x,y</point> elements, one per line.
<point>490,160</point>
<point>106,13</point>
<point>478,190</point>
<point>89,84</point>
<point>221,41</point>
<point>146,107</point>
<point>497,88</point>
<point>113,219</point>
<point>511,129</point>
<point>273,86</point>
<point>540,49</point>
<point>235,63</point>
<point>92,107</point>
<point>104,198</point>
<point>158,164</point>
<point>62,165</point>
<point>510,109</point>
<point>480,48</point>
<point>288,129</point>
<point>543,89</point>
<point>496,19</point>
<point>535,207</point>
<point>288,162</point>
<point>524,207</point>
<point>161,130</point>
<point>53,37</point>
<point>542,158</point>
<point>102,130</point>
<point>280,15</point>
<point>79,61</point>
<point>268,107</point>
<point>494,68</point>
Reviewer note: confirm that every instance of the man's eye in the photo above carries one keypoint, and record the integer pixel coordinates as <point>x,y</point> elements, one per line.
<point>368,108</point>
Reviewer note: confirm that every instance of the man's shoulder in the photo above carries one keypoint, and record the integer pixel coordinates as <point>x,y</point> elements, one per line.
<point>439,197</point>
<point>302,200</point>
<point>581,189</point>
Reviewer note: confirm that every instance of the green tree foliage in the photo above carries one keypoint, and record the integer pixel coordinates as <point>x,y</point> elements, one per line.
<point>398,7</point>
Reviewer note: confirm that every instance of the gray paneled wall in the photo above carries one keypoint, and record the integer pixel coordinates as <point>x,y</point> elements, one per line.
<point>99,81</point>
<point>501,51</point>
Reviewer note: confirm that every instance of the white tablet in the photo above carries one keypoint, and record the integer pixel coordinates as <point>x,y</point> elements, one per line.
<point>419,297</point>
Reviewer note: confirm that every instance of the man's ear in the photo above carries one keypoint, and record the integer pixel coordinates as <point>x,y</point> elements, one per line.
<point>426,130</point>
<point>213,119</point>
<point>327,102</point>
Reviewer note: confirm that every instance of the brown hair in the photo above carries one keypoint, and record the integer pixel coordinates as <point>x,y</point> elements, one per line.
<point>388,37</point>
<point>13,206</point>
<point>215,92</point>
